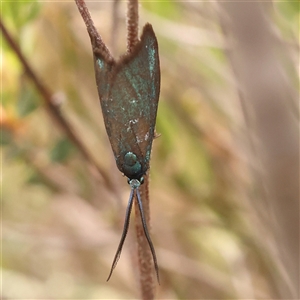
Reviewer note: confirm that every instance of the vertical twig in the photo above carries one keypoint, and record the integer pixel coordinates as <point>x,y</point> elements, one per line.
<point>115,26</point>
<point>52,108</point>
<point>145,264</point>
<point>132,24</point>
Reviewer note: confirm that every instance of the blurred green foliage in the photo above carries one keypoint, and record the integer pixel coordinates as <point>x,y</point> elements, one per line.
<point>62,150</point>
<point>20,13</point>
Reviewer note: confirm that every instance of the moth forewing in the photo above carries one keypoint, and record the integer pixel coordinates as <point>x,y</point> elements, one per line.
<point>130,100</point>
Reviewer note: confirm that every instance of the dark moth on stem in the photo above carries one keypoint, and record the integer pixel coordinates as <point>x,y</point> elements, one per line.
<point>129,91</point>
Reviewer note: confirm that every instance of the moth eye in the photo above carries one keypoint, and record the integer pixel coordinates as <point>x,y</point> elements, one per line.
<point>142,180</point>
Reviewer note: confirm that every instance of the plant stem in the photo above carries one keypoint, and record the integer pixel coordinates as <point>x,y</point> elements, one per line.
<point>96,39</point>
<point>132,24</point>
<point>145,264</point>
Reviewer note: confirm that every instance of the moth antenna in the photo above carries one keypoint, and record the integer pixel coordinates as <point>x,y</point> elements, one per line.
<point>146,232</point>
<point>124,233</point>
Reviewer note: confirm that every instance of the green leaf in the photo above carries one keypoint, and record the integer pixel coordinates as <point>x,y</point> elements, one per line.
<point>27,101</point>
<point>62,150</point>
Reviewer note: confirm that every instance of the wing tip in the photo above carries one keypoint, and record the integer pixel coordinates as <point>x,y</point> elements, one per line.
<point>148,30</point>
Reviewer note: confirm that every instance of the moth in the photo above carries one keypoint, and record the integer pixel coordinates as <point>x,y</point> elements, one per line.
<point>129,92</point>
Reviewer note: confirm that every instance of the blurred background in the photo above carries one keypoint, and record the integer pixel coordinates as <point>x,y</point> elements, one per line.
<point>224,171</point>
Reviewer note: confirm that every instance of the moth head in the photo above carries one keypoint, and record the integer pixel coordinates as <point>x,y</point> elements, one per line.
<point>135,183</point>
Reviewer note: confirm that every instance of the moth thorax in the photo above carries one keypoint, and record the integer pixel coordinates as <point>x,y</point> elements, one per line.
<point>132,167</point>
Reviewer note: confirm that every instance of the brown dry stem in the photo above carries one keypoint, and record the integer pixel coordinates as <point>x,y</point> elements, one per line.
<point>132,24</point>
